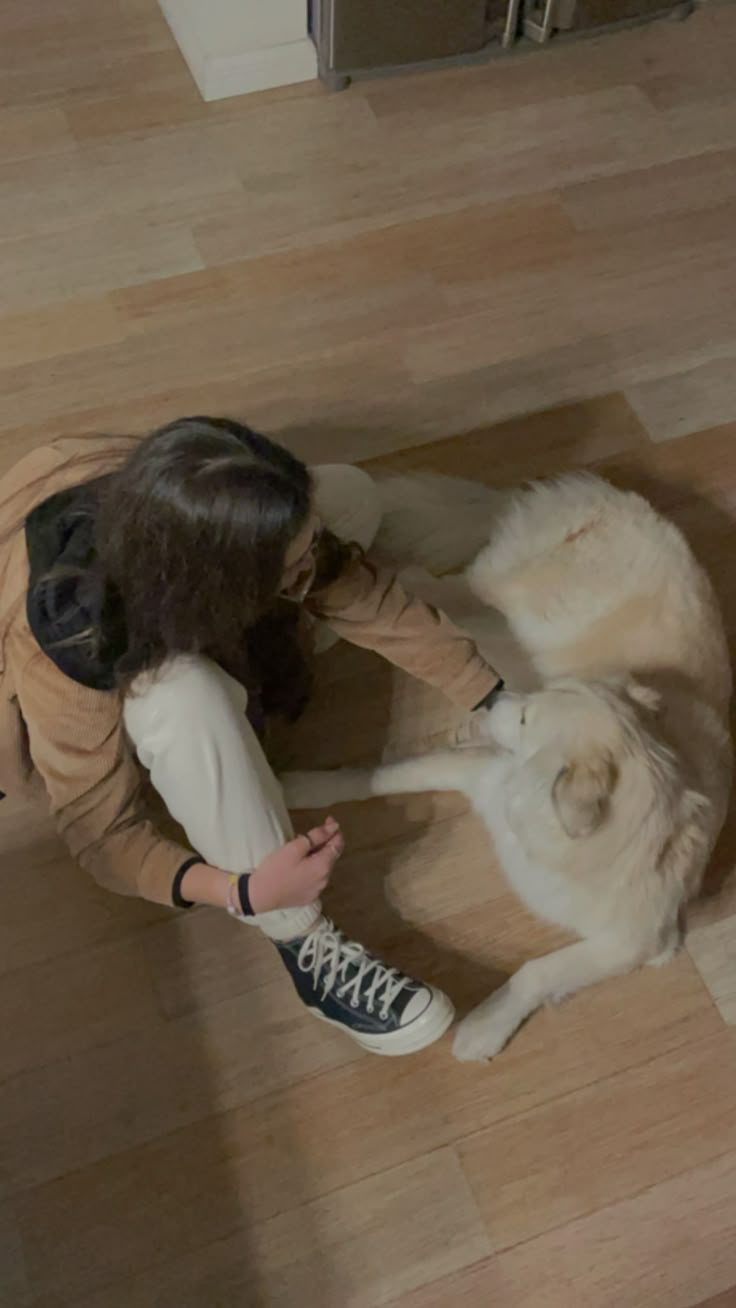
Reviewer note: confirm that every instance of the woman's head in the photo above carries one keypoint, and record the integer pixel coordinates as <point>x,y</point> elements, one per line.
<point>199,532</point>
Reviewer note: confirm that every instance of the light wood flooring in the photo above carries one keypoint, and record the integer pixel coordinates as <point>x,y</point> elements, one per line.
<point>539,253</point>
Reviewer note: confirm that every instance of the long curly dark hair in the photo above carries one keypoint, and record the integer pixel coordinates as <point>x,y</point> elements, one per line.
<point>192,534</point>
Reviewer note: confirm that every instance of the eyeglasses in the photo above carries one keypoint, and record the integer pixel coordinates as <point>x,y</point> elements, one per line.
<point>309,552</point>
<point>290,588</point>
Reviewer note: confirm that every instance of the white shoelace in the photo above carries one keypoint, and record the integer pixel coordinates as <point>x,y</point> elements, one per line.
<point>326,948</point>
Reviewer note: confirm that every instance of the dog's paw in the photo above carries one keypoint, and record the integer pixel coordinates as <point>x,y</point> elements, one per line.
<point>485,1031</point>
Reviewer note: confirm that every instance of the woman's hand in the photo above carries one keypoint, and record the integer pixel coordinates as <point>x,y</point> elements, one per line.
<point>475,729</point>
<point>297,873</point>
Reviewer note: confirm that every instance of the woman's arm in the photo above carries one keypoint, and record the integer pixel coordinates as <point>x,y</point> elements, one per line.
<point>289,877</point>
<point>367,605</point>
<point>80,750</point>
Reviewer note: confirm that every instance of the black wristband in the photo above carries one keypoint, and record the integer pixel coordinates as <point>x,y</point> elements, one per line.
<point>177,898</point>
<point>246,907</point>
<point>489,700</point>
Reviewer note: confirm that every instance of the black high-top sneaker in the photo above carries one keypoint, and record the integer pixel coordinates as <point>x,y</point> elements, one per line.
<point>340,982</point>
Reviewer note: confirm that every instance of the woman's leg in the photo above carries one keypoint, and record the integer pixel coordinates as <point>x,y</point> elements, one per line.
<point>191,733</point>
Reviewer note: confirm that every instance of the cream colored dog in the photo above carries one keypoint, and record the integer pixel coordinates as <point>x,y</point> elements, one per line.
<point>604,791</point>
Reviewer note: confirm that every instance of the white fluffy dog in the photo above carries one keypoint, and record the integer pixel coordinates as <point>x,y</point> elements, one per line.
<point>605,789</point>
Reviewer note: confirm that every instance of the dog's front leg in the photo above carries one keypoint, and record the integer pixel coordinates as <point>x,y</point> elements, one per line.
<point>486,1030</point>
<point>444,770</point>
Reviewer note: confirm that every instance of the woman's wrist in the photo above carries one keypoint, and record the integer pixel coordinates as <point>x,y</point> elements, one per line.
<point>204,884</point>
<point>239,903</point>
<point>259,892</point>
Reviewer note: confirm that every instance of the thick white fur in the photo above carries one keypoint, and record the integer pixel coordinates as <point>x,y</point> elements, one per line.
<point>604,790</point>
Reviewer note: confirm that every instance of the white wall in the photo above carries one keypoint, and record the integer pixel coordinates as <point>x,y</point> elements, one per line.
<point>234,46</point>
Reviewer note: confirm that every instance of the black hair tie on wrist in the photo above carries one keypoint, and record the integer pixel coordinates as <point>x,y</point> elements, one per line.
<point>246,907</point>
<point>177,898</point>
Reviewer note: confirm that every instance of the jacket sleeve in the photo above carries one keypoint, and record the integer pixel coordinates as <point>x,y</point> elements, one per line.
<point>79,748</point>
<point>367,605</point>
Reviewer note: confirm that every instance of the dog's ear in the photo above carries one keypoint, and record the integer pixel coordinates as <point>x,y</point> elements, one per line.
<point>648,698</point>
<point>581,793</point>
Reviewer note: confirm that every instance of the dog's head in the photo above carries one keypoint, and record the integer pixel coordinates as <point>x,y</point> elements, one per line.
<point>590,761</point>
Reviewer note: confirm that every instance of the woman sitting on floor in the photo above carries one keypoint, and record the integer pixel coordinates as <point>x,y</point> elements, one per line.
<point>155,597</point>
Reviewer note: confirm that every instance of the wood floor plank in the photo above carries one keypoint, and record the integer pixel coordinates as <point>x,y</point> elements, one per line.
<point>165,100</point>
<point>568,435</point>
<point>617,1138</point>
<point>420,165</point>
<point>271,1155</point>
<point>353,1248</point>
<point>645,194</point>
<point>160,1078</point>
<point>624,1252</point>
<point>14,1290</point>
<point>68,267</point>
<point>251,1164</point>
<point>58,329</point>
<point>311,404</point>
<point>71,914</point>
<point>712,948</point>
<point>220,963</point>
<point>320,203</point>
<point>62,1008</point>
<point>595,365</point>
<point>725,1300</point>
<point>52,62</point>
<point>621,58</point>
<point>665,1248</point>
<point>108,179</point>
<point>684,476</point>
<point>703,125</point>
<point>537,251</point>
<point>284,303</point>
<point>689,402</point>
<point>527,135</point>
<point>586,285</point>
<point>33,131</point>
<point>430,873</point>
<point>152,108</point>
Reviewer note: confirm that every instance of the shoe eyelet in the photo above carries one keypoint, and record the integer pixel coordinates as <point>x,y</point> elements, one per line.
<point>354,1003</point>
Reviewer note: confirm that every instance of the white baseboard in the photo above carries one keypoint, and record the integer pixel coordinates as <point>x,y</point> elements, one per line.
<point>257,70</point>
<point>226,44</point>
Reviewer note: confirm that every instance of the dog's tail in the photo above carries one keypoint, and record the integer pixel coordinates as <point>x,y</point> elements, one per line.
<point>438,522</point>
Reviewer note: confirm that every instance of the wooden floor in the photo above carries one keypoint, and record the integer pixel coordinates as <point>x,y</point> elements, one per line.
<point>541,253</point>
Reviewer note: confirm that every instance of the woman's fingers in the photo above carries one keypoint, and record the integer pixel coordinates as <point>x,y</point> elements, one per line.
<point>296,873</point>
<point>318,837</point>
<point>326,857</point>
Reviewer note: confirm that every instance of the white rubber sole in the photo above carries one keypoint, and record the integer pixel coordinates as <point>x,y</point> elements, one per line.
<point>420,1035</point>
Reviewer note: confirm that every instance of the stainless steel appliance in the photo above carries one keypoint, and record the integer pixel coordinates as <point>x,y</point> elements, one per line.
<point>353,36</point>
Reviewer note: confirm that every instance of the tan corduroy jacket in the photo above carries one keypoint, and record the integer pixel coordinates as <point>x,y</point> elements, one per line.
<point>71,738</point>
